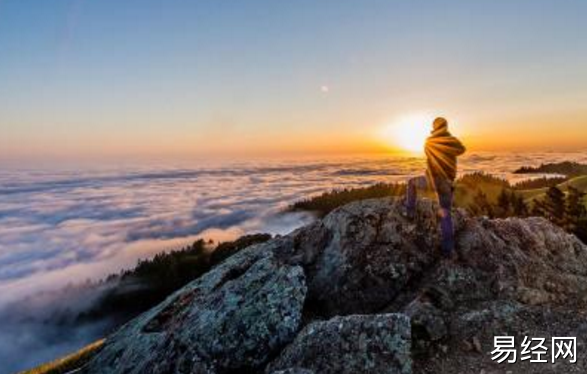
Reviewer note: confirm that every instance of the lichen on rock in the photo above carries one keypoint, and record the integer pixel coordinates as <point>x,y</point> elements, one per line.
<point>233,318</point>
<point>351,344</point>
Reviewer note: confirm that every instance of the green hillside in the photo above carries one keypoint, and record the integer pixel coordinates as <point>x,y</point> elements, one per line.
<point>464,193</point>
<point>579,183</point>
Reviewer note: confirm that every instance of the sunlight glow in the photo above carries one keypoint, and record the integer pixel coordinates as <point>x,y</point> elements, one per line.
<point>409,133</point>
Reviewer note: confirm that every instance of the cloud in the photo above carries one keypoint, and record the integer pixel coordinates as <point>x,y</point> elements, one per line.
<point>52,221</point>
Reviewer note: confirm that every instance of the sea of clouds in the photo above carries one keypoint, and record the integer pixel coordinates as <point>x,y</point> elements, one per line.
<point>61,226</point>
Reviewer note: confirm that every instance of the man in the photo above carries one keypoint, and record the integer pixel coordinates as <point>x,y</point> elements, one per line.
<point>441,150</point>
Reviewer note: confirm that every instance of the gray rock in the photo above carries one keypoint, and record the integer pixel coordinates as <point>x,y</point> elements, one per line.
<point>427,320</point>
<point>365,257</point>
<point>352,344</point>
<point>233,318</point>
<point>294,371</point>
<point>362,256</point>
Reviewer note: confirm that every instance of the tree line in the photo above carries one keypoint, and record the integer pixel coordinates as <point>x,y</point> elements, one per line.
<point>135,290</point>
<point>566,210</point>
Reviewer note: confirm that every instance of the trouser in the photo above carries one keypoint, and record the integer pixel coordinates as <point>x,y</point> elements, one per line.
<point>444,193</point>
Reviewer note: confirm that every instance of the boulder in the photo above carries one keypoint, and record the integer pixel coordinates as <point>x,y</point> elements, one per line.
<point>293,371</point>
<point>362,256</point>
<point>231,319</point>
<point>351,344</point>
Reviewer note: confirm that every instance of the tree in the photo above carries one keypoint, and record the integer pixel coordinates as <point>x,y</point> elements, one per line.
<point>537,208</point>
<point>575,206</point>
<point>576,213</point>
<point>504,203</point>
<point>519,206</point>
<point>481,205</point>
<point>554,206</point>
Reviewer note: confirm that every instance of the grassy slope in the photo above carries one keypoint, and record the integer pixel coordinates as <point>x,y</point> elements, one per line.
<point>70,362</point>
<point>464,195</point>
<point>578,182</point>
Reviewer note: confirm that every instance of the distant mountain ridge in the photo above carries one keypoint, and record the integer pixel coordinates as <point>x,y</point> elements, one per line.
<point>568,168</point>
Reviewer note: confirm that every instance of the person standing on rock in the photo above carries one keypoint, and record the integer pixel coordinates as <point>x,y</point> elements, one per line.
<point>442,150</point>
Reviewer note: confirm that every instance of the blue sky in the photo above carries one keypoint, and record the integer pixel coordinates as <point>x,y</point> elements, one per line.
<point>82,76</point>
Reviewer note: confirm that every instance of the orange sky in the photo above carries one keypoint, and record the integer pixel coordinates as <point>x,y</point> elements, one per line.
<point>203,80</point>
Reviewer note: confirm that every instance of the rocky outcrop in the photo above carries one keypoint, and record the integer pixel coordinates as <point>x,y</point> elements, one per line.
<point>352,344</point>
<point>362,256</point>
<point>276,307</point>
<point>231,320</point>
<point>294,371</point>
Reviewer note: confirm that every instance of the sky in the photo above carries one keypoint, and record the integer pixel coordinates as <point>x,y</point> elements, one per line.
<point>112,78</point>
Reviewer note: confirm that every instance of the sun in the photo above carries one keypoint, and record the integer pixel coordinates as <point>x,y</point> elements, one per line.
<point>409,133</point>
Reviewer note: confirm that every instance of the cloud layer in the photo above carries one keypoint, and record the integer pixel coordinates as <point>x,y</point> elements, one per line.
<point>58,226</point>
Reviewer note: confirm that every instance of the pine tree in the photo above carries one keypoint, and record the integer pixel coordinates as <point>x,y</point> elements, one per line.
<point>519,205</point>
<point>504,203</point>
<point>576,213</point>
<point>481,205</point>
<point>575,206</point>
<point>554,206</point>
<point>537,208</point>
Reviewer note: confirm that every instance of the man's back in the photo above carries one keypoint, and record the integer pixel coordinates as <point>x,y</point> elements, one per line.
<point>442,150</point>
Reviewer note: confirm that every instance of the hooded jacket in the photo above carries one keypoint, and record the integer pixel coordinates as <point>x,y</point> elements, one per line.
<point>442,150</point>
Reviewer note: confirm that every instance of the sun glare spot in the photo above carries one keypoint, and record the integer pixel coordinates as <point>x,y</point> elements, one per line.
<point>409,133</point>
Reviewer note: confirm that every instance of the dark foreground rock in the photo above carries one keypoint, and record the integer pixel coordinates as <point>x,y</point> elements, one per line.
<point>294,371</point>
<point>355,344</point>
<point>254,313</point>
<point>232,319</point>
